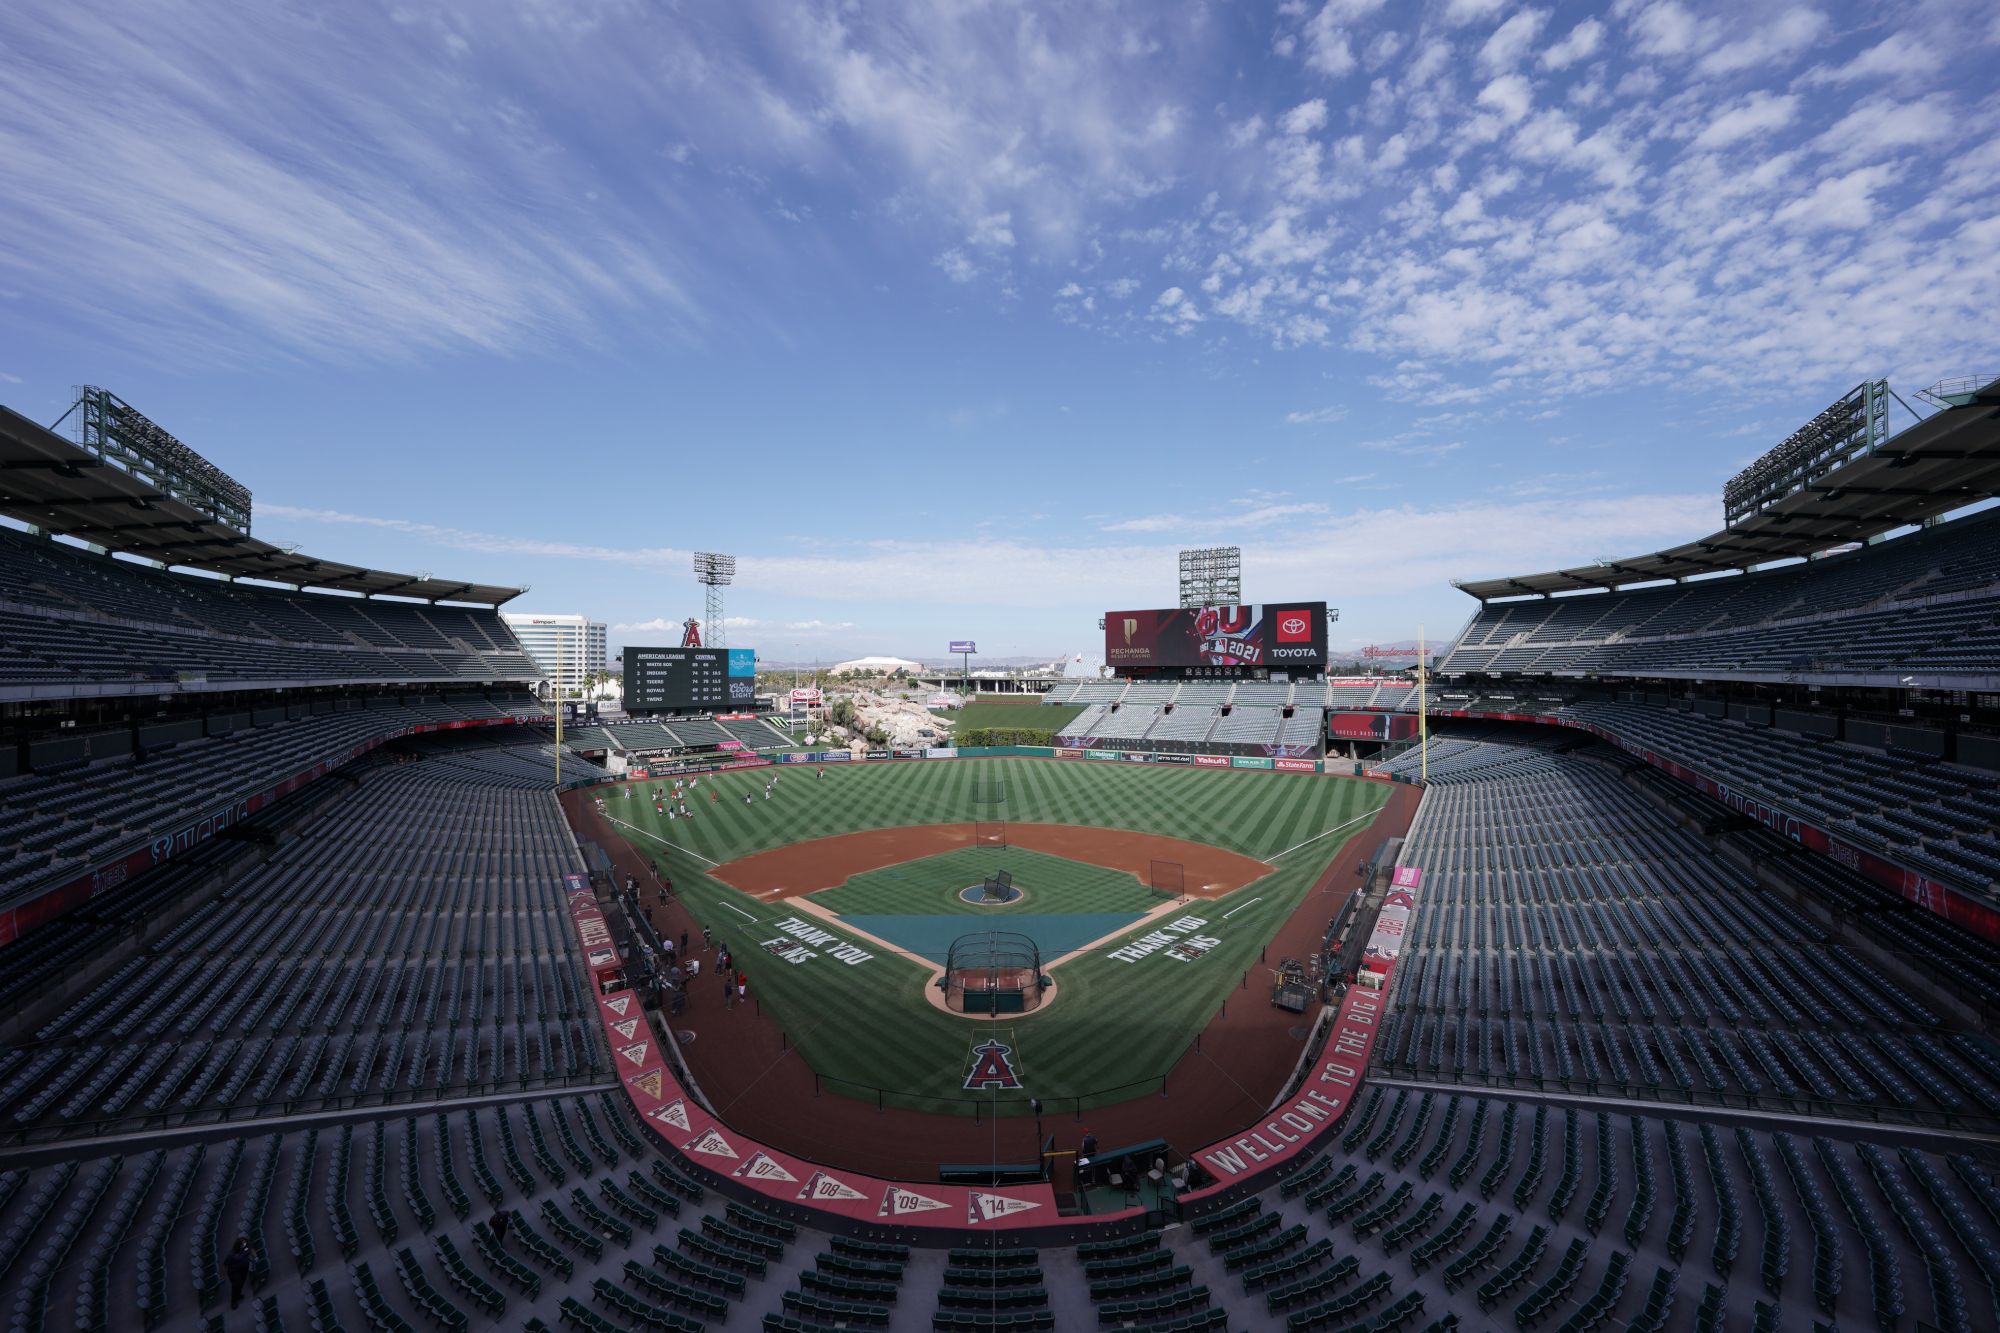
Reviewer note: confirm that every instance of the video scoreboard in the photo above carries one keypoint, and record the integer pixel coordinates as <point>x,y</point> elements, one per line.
<point>1282,636</point>
<point>661,680</point>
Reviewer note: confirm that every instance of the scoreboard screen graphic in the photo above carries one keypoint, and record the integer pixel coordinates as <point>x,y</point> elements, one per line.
<point>1279,635</point>
<point>659,680</point>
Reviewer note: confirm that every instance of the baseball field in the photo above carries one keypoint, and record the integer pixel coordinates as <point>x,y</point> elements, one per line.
<point>1150,892</point>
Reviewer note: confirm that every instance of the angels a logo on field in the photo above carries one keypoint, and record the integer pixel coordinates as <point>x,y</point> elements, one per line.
<point>626,1028</point>
<point>899,1202</point>
<point>652,1082</point>
<point>637,1052</point>
<point>983,1207</point>
<point>993,1067</point>
<point>710,1144</point>
<point>620,1005</point>
<point>823,1188</point>
<point>762,1166</point>
<point>674,1113</point>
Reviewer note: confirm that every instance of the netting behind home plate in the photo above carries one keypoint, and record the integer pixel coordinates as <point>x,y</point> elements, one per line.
<point>993,972</point>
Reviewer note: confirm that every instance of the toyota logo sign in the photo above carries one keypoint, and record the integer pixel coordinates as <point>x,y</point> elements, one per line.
<point>1294,624</point>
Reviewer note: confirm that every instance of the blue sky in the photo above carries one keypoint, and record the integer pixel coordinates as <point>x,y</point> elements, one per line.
<point>958,320</point>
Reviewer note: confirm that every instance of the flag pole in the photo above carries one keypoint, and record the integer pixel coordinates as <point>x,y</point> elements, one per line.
<point>1423,710</point>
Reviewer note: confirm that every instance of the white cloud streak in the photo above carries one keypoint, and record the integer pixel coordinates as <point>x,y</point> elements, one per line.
<point>260,176</point>
<point>1291,545</point>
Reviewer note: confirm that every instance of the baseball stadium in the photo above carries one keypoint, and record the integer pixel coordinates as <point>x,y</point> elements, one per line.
<point>1631,962</point>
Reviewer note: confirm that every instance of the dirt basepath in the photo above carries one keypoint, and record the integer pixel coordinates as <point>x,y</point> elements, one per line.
<point>758,1083</point>
<point>802,868</point>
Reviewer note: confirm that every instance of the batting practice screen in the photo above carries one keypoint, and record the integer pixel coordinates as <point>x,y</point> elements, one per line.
<point>1279,635</point>
<point>659,680</point>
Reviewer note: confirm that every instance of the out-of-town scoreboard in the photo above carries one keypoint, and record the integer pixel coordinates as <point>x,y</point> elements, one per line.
<point>663,680</point>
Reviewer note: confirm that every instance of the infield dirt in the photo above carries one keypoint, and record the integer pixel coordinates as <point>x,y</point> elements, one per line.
<point>803,868</point>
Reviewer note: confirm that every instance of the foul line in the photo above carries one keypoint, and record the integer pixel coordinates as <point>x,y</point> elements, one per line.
<point>1335,829</point>
<point>677,847</point>
<point>1234,910</point>
<point>610,819</point>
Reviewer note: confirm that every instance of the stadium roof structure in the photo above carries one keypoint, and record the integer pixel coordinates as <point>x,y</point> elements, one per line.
<point>60,487</point>
<point>1948,460</point>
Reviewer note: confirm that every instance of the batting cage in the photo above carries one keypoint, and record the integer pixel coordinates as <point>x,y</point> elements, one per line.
<point>990,832</point>
<point>993,972</point>
<point>1168,878</point>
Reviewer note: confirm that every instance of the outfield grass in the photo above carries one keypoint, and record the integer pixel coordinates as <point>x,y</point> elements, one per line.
<point>1115,1025</point>
<point>985,713</point>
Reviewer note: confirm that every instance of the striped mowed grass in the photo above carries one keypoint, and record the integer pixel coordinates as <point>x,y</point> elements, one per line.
<point>1115,1026</point>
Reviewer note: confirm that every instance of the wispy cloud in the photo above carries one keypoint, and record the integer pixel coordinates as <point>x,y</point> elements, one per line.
<point>662,625</point>
<point>485,543</point>
<point>1395,549</point>
<point>1257,515</point>
<point>314,181</point>
<point>1318,416</point>
<point>1510,201</point>
<point>1413,448</point>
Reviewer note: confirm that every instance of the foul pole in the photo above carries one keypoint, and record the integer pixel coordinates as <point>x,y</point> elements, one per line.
<point>558,702</point>
<point>1423,710</point>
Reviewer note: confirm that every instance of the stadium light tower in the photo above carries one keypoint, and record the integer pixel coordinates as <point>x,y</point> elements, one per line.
<point>1212,576</point>
<point>715,572</point>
